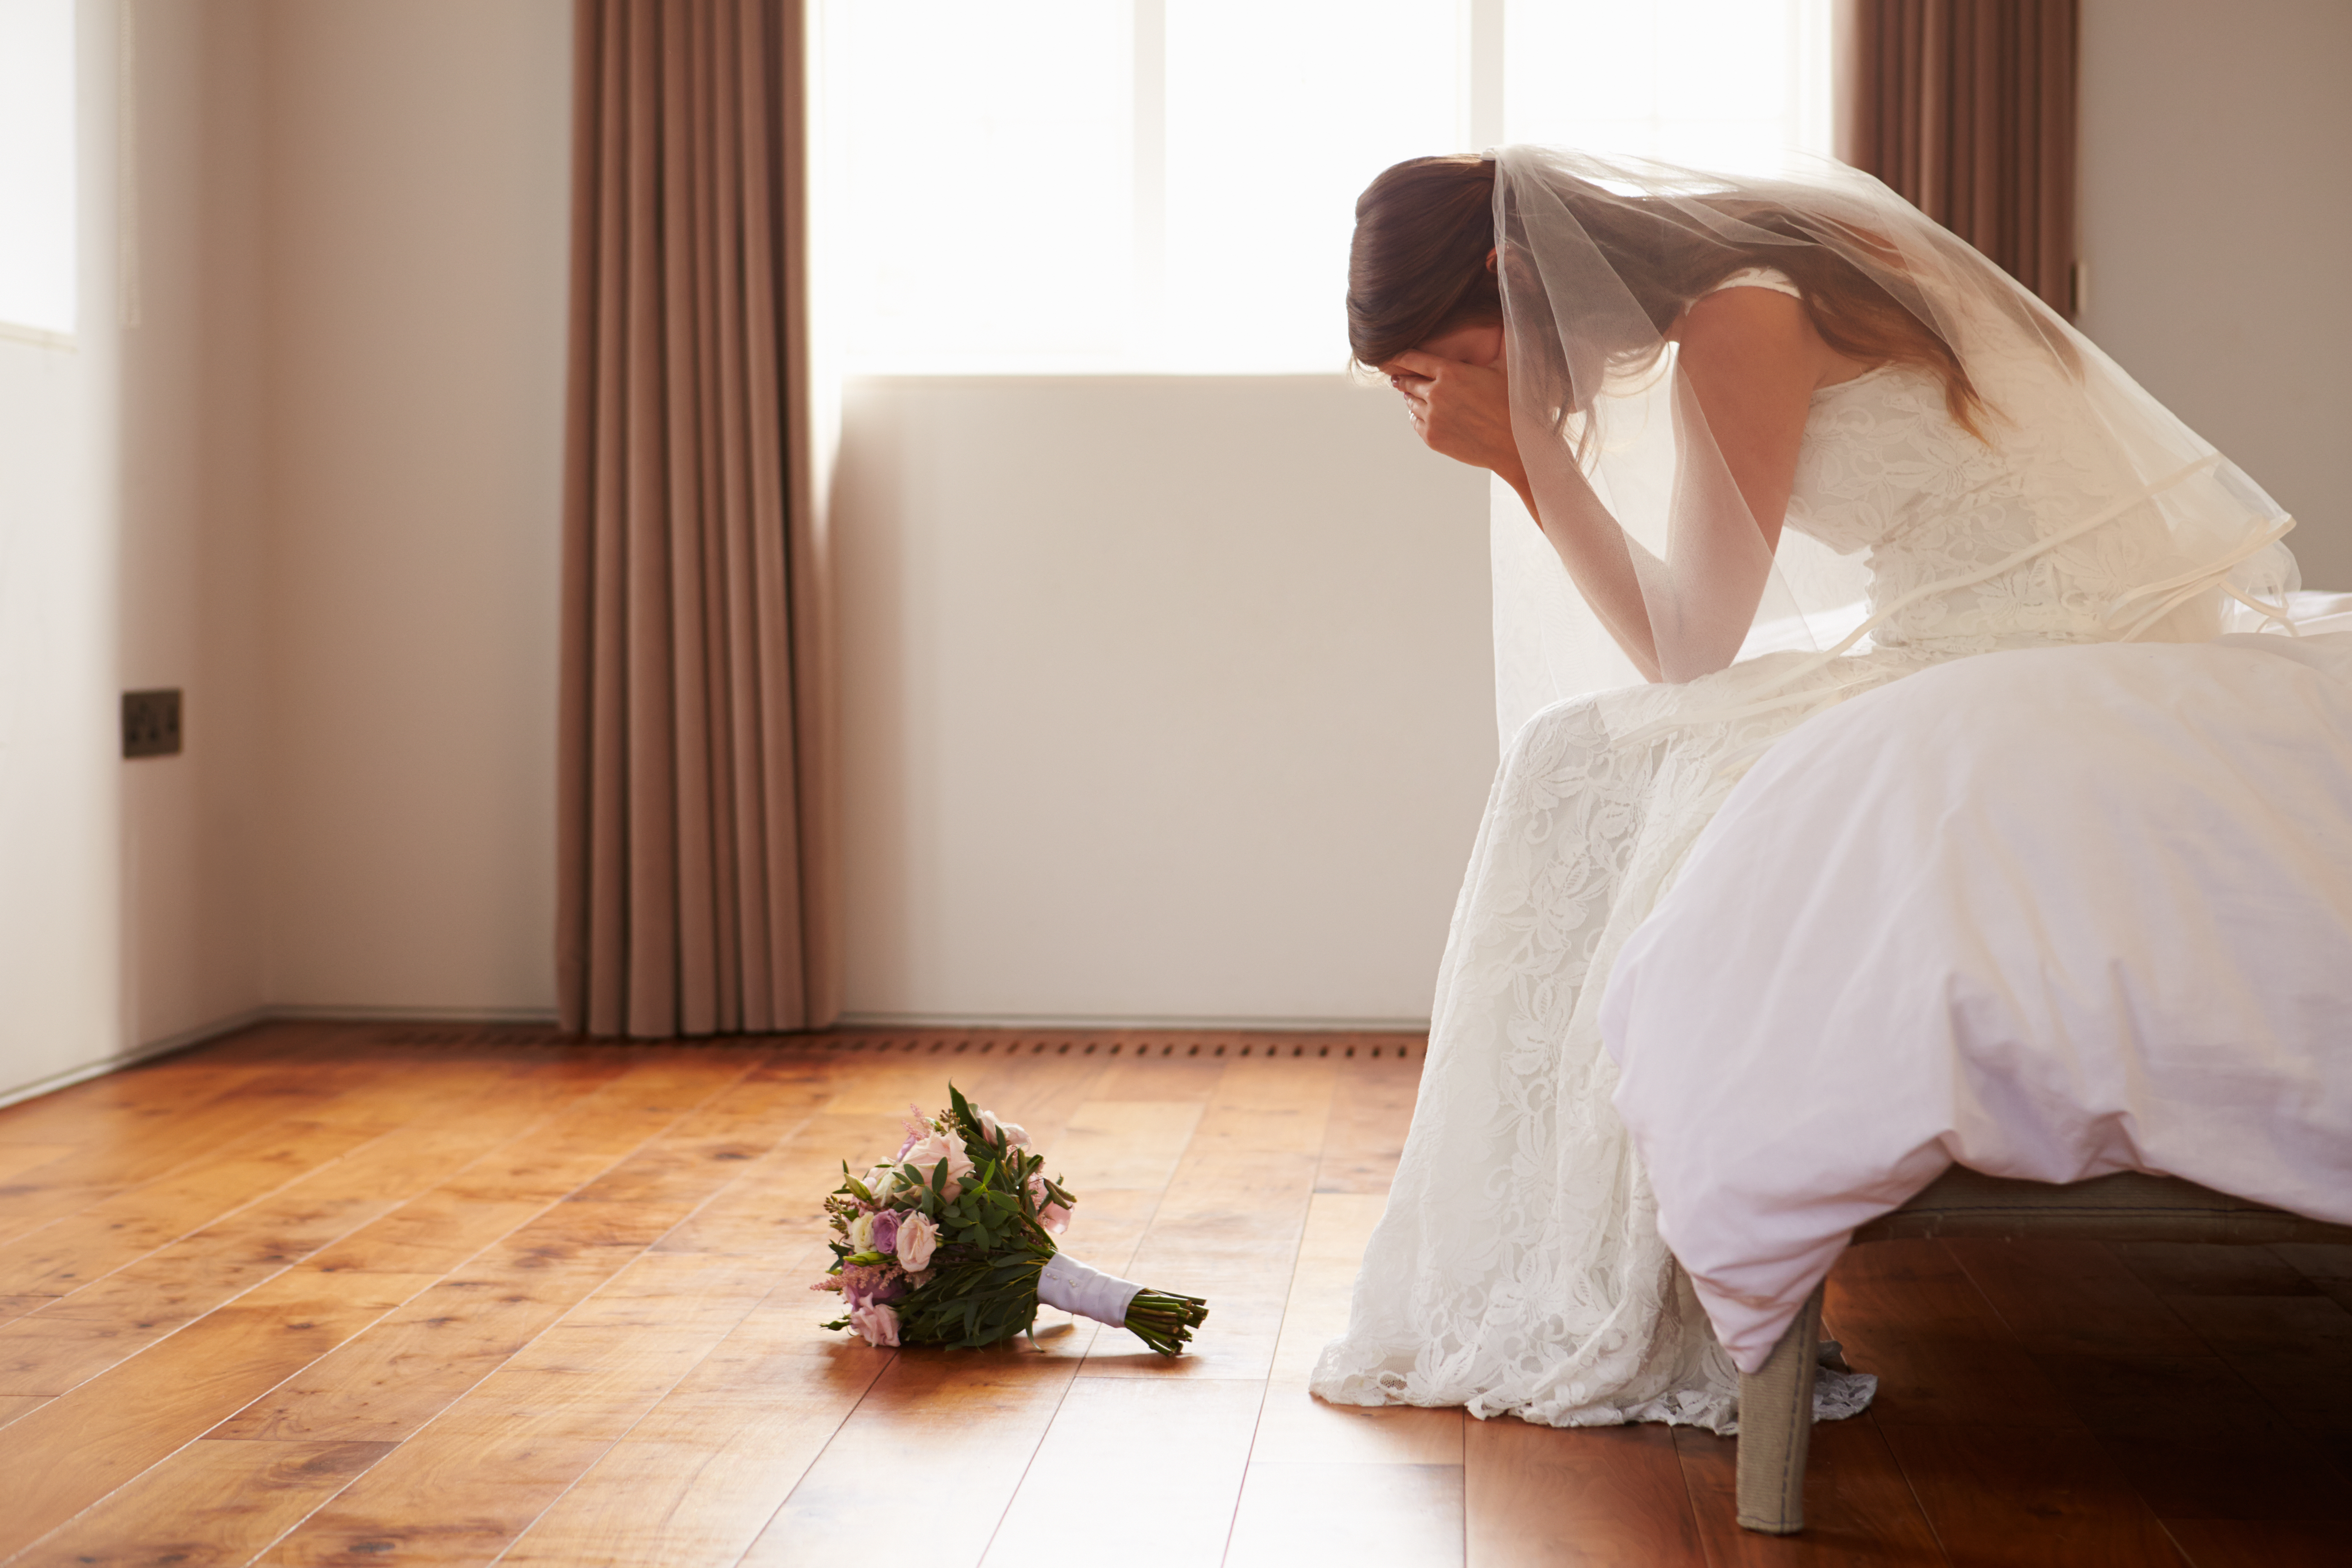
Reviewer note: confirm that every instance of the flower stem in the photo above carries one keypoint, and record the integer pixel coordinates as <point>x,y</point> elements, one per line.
<point>1165,1321</point>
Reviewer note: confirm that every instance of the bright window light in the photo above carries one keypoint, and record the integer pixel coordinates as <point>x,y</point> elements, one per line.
<point>1156,186</point>
<point>36,165</point>
<point>1277,114</point>
<point>1730,85</point>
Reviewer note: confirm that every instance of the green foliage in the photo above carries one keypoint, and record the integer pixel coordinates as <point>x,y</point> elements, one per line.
<point>973,1299</point>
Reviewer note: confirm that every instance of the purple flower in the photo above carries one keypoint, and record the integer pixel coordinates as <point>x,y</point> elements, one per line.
<point>867,1284</point>
<point>886,1230</point>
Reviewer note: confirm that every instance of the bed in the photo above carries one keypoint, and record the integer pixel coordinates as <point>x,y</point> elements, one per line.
<point>2049,941</point>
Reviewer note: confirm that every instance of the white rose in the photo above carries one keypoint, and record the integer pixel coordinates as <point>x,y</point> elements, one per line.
<point>861,1234</point>
<point>916,1237</point>
<point>879,1180</point>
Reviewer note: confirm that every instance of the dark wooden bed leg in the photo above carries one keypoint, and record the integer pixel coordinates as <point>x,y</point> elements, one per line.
<point>1776,1426</point>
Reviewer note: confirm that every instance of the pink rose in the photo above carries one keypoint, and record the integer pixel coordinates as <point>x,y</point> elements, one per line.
<point>916,1237</point>
<point>877,1325</point>
<point>1054,1217</point>
<point>927,1154</point>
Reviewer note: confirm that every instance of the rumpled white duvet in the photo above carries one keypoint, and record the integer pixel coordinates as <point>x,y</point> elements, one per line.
<point>2047,913</point>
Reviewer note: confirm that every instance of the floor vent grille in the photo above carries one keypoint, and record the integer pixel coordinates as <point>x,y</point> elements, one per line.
<point>1124,1045</point>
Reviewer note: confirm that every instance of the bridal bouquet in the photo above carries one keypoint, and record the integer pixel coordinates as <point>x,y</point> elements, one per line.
<point>951,1242</point>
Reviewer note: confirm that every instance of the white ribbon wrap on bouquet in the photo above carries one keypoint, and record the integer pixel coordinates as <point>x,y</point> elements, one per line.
<point>1089,1292</point>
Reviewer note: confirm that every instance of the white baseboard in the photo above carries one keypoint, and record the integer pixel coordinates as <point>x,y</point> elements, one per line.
<point>182,1041</point>
<point>323,1014</point>
<point>185,1037</point>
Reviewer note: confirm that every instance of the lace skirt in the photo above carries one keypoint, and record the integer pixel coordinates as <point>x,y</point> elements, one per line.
<point>1517,1267</point>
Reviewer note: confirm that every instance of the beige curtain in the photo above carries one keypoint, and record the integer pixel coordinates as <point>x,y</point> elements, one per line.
<point>1967,107</point>
<point>694,814</point>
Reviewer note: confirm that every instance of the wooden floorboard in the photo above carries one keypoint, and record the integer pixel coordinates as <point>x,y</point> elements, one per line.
<point>1147,1470</point>
<point>80,1333</point>
<point>919,1419</point>
<point>698,1477</point>
<point>334,1295</point>
<point>210,1503</point>
<point>1229,1222</point>
<point>77,1448</point>
<point>1860,1505</point>
<point>136,1133</point>
<point>2028,1496</point>
<point>2262,1543</point>
<point>1294,1429</point>
<point>484,1470</point>
<point>1605,1497</point>
<point>1909,1312</point>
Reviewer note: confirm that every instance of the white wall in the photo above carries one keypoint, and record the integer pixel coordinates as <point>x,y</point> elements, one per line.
<point>1163,697</point>
<point>310,477</point>
<point>60,949</point>
<point>2216,221</point>
<point>130,891</point>
<point>57,682</point>
<point>417,181</point>
<point>189,583</point>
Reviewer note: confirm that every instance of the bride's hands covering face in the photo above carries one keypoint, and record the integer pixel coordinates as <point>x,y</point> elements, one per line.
<point>1457,395</point>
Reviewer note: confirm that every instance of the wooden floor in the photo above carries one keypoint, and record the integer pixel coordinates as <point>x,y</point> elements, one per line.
<point>334,1295</point>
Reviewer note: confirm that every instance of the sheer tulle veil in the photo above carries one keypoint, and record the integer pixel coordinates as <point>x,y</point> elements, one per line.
<point>2154,530</point>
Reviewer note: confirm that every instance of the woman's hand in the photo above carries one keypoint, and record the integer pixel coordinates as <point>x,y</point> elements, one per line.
<point>1461,410</point>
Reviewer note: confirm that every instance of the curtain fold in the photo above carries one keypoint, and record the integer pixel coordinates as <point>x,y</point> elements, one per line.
<point>1966,107</point>
<point>694,810</point>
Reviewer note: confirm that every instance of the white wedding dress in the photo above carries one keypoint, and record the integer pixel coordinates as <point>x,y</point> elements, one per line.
<point>1518,1269</point>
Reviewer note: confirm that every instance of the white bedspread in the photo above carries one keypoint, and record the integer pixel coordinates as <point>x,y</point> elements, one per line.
<point>2048,914</point>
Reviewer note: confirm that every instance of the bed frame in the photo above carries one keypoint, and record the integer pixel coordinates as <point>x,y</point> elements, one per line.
<point>1776,1404</point>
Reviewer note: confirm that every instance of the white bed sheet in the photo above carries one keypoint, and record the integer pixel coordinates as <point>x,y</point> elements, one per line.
<point>2048,914</point>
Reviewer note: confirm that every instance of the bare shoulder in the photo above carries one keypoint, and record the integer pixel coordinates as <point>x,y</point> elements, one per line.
<point>1744,318</point>
<point>1760,334</point>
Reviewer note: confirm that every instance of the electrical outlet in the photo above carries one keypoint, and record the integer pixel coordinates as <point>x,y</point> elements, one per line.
<point>151,724</point>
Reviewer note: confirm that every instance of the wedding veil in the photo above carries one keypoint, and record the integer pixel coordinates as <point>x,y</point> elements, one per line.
<point>2148,529</point>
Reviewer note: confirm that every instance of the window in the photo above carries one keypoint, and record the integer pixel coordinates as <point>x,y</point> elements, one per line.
<point>37,166</point>
<point>1168,185</point>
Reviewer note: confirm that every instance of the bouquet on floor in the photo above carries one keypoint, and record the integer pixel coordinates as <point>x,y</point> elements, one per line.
<point>951,1242</point>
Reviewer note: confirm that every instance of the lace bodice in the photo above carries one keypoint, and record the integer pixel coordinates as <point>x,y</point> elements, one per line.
<point>1886,469</point>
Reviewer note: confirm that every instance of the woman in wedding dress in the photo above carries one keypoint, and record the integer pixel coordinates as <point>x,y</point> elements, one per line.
<point>1788,441</point>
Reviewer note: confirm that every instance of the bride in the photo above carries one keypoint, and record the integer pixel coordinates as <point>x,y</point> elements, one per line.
<point>1788,441</point>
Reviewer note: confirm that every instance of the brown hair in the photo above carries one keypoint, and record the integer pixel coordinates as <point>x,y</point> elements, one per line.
<point>1417,269</point>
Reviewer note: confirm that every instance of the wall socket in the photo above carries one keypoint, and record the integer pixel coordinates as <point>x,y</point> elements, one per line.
<point>151,724</point>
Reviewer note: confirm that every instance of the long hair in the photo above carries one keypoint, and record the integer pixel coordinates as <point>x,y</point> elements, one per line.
<point>1417,269</point>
